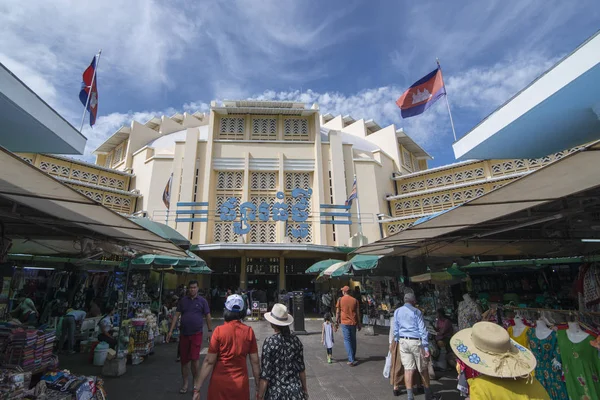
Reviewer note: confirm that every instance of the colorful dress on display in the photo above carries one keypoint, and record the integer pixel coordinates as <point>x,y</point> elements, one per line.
<point>469,313</point>
<point>545,351</point>
<point>581,367</point>
<point>522,338</point>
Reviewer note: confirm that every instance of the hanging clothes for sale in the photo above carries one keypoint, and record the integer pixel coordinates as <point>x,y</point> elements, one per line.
<point>469,313</point>
<point>580,365</point>
<point>519,334</point>
<point>548,369</point>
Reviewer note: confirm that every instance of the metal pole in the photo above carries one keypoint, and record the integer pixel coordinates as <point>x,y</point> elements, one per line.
<point>121,317</point>
<point>358,207</point>
<point>447,103</point>
<point>91,86</point>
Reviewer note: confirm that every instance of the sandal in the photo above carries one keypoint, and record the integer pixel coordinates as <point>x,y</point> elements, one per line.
<point>196,392</point>
<point>183,390</point>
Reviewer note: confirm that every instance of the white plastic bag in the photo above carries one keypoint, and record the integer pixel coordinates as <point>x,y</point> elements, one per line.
<point>388,366</point>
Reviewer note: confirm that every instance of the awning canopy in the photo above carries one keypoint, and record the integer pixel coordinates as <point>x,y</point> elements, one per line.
<point>164,231</point>
<point>43,216</point>
<point>448,277</point>
<point>321,266</point>
<point>29,125</point>
<point>547,212</point>
<point>159,260</point>
<point>557,111</point>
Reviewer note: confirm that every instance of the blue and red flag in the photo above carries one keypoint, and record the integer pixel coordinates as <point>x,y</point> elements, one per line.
<point>353,194</point>
<point>88,89</point>
<point>422,94</point>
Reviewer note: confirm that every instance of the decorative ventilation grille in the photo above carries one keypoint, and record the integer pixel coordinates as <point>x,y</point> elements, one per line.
<point>263,232</point>
<point>230,180</point>
<point>222,197</point>
<point>309,237</point>
<point>406,159</point>
<point>118,155</point>
<point>224,233</point>
<point>264,129</point>
<point>397,227</point>
<point>435,202</point>
<point>29,160</point>
<point>295,180</point>
<point>55,169</point>
<point>263,180</point>
<point>295,129</point>
<point>231,128</point>
<point>115,202</point>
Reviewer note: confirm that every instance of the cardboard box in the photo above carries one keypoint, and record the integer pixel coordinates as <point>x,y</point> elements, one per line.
<point>111,354</point>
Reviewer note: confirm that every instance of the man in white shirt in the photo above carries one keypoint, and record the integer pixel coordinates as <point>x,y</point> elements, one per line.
<point>412,337</point>
<point>69,325</point>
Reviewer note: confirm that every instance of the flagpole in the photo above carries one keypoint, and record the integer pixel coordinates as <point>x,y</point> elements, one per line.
<point>87,103</point>
<point>358,207</point>
<point>447,103</point>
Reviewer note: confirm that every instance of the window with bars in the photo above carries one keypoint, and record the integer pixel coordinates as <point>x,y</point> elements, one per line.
<point>296,129</point>
<point>406,159</point>
<point>231,128</point>
<point>264,128</point>
<point>229,185</point>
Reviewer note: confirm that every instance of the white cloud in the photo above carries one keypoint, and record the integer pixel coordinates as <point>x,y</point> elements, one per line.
<point>476,92</point>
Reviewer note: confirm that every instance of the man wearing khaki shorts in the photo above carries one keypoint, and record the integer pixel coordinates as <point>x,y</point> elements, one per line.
<point>411,335</point>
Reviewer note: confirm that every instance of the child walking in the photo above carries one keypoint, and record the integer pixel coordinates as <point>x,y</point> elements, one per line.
<point>327,336</point>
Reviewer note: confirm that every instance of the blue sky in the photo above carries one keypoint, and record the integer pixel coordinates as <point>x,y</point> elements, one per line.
<point>351,57</point>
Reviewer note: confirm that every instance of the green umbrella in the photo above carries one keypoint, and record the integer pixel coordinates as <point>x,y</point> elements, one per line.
<point>158,261</point>
<point>162,230</point>
<point>193,270</point>
<point>339,266</point>
<point>364,262</point>
<point>321,266</point>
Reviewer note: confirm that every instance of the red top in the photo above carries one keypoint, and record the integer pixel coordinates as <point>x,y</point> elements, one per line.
<point>232,343</point>
<point>347,307</point>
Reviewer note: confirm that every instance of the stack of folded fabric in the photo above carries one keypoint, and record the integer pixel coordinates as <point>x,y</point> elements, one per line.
<point>49,337</point>
<point>20,349</point>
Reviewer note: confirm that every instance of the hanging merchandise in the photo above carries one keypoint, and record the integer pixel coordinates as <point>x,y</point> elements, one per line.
<point>580,362</point>
<point>518,332</point>
<point>469,313</point>
<point>548,370</point>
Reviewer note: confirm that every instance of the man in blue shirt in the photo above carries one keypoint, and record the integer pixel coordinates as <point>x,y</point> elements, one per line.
<point>412,337</point>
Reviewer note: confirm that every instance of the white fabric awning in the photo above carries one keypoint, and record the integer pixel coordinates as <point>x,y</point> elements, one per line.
<point>570,175</point>
<point>36,208</point>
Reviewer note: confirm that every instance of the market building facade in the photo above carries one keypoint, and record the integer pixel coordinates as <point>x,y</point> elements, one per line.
<point>259,187</point>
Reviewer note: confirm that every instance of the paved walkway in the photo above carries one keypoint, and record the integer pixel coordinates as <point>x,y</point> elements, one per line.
<point>159,376</point>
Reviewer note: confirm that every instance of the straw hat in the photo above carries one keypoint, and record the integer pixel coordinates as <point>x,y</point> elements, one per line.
<point>279,316</point>
<point>487,348</point>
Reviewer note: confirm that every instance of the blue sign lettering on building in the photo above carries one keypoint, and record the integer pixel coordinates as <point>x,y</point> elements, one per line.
<point>280,210</point>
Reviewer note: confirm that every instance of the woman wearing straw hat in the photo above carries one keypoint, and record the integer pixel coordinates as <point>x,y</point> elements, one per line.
<point>282,375</point>
<point>504,365</point>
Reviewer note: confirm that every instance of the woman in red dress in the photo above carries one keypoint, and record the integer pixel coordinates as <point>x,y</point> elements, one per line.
<point>230,345</point>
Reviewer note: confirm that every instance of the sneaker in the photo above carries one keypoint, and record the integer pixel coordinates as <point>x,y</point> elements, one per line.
<point>329,359</point>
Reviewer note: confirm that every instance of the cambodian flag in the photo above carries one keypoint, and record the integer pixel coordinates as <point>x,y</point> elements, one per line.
<point>422,94</point>
<point>88,89</point>
<point>353,194</point>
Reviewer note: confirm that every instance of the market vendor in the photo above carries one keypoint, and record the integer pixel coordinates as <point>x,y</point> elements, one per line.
<point>26,311</point>
<point>68,328</point>
<point>106,327</point>
<point>444,329</point>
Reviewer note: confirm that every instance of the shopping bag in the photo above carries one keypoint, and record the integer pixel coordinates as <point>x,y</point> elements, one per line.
<point>388,366</point>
